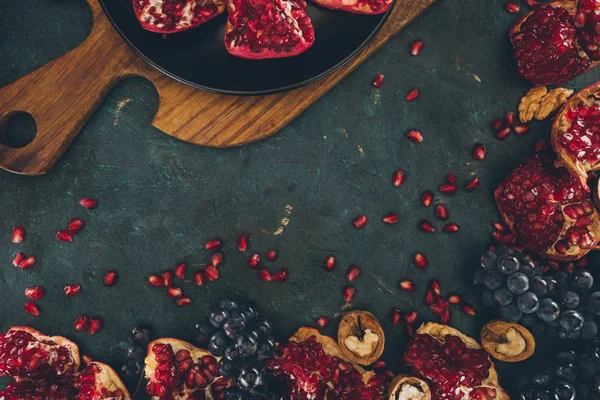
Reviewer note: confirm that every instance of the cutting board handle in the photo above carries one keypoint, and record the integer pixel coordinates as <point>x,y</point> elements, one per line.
<point>62,95</point>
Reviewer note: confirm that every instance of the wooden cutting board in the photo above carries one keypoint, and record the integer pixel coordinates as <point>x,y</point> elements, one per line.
<point>62,95</point>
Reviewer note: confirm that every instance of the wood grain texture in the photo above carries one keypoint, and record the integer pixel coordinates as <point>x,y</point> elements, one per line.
<point>62,95</point>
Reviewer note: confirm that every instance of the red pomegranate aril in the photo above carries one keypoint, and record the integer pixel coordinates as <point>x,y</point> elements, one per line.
<point>445,319</point>
<point>242,242</point>
<point>72,290</point>
<point>180,271</point>
<point>75,225</point>
<point>360,222</point>
<point>451,178</point>
<point>441,212</point>
<point>410,329</point>
<point>451,227</point>
<point>110,279</point>
<point>265,275</point>
<point>212,273</point>
<point>498,226</point>
<point>498,125</point>
<point>412,94</point>
<point>88,203</point>
<point>407,285</point>
<point>396,316</point>
<point>391,218</point>
<point>167,278</point>
<point>468,309</point>
<point>442,302</point>
<point>174,292</point>
<point>427,198</point>
<point>31,308</point>
<point>271,255</point>
<point>322,322</point>
<point>416,47</point>
<point>415,136</point>
<point>378,80</point>
<point>216,259</point>
<point>541,146</point>
<point>353,273</point>
<point>435,286</point>
<point>410,317</point>
<point>398,178</point>
<point>479,151</point>
<point>532,3</point>
<point>472,184</point>
<point>18,259</point>
<point>34,292</point>
<point>421,261</point>
<point>155,281</point>
<point>454,299</point>
<point>502,134</point>
<point>281,275</point>
<point>64,236</point>
<point>512,8</point>
<point>199,278</point>
<point>448,189</point>
<point>330,263</point>
<point>82,323</point>
<point>213,244</point>
<point>520,130</point>
<point>509,119</point>
<point>429,297</point>
<point>95,326</point>
<point>27,263</point>
<point>18,234</point>
<point>437,310</point>
<point>349,293</point>
<point>254,260</point>
<point>184,301</point>
<point>426,226</point>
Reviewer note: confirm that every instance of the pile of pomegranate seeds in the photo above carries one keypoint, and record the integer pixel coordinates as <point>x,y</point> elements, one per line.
<point>440,305</point>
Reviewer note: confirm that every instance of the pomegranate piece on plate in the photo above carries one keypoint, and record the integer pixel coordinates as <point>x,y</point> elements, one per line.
<point>99,381</point>
<point>357,6</point>
<point>455,365</point>
<point>170,16</point>
<point>259,29</point>
<point>548,210</point>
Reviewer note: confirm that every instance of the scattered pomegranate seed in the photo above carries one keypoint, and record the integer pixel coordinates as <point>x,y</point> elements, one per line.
<point>349,293</point>
<point>426,226</point>
<point>18,259</point>
<point>541,145</point>
<point>512,7</point>
<point>75,225</point>
<point>427,198</point>
<point>265,275</point>
<point>155,280</point>
<point>353,273</point>
<point>378,81</point>
<point>330,263</point>
<point>167,278</point>
<point>254,260</point>
<point>64,236</point>
<point>95,326</point>
<point>72,290</point>
<point>450,178</point>
<point>429,297</point>
<point>212,273</point>
<point>468,309</point>
<point>360,222</point>
<point>412,94</point>
<point>415,136</point>
<point>410,329</point>
<point>407,285</point>
<point>281,275</point>
<point>216,259</point>
<point>421,261</point>
<point>452,227</point>
<point>507,239</point>
<point>442,302</point>
<point>174,292</point>
<point>435,286</point>
<point>454,299</point>
<point>498,226</point>
<point>503,133</point>
<point>509,118</point>
<point>199,278</point>
<point>410,317</point>
<point>448,188</point>
<point>82,323</point>
<point>34,292</point>
<point>111,278</point>
<point>391,218</point>
<point>582,262</point>
<point>180,271</point>
<point>31,308</point>
<point>520,130</point>
<point>242,242</point>
<point>441,212</point>
<point>88,203</point>
<point>472,184</point>
<point>322,322</point>
<point>479,151</point>
<point>184,301</point>
<point>532,3</point>
<point>437,310</point>
<point>271,255</point>
<point>212,244</point>
<point>445,317</point>
<point>497,125</point>
<point>396,316</point>
<point>27,263</point>
<point>398,178</point>
<point>416,47</point>
<point>18,233</point>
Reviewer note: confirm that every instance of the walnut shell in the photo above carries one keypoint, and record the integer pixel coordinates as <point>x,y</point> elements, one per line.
<point>507,341</point>
<point>361,337</point>
<point>401,380</point>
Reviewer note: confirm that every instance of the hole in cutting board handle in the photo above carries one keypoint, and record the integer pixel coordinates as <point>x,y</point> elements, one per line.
<point>17,129</point>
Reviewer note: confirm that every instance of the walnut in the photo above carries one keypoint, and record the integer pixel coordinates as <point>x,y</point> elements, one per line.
<point>530,103</point>
<point>507,341</point>
<point>361,337</point>
<point>551,101</point>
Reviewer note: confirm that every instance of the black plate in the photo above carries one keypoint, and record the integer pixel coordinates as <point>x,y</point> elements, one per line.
<point>198,57</point>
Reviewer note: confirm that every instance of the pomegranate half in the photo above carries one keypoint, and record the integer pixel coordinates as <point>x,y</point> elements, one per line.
<point>170,16</point>
<point>455,365</point>
<point>357,6</point>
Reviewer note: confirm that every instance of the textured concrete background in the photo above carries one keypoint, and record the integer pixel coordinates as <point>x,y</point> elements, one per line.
<point>160,199</point>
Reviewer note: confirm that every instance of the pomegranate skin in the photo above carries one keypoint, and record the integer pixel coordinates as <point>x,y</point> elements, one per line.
<point>170,16</point>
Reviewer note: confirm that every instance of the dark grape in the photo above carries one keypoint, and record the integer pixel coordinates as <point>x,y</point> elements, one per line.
<point>528,303</point>
<point>204,331</point>
<point>217,343</point>
<point>508,264</point>
<point>569,300</point>
<point>582,280</point>
<point>141,335</point>
<point>488,260</point>
<point>571,321</point>
<point>564,391</point>
<point>250,377</point>
<point>594,303</point>
<point>503,296</point>
<point>510,313</point>
<point>228,305</point>
<point>218,317</point>
<point>247,345</point>
<point>548,310</point>
<point>538,285</point>
<point>492,280</point>
<point>136,353</point>
<point>517,283</point>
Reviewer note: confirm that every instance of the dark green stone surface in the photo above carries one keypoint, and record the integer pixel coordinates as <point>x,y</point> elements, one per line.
<point>160,199</point>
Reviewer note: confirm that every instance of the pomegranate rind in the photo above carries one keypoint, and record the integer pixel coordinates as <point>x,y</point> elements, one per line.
<point>107,380</point>
<point>355,6</point>
<point>204,11</point>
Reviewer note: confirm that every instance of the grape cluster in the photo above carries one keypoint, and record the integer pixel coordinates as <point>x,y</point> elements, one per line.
<point>135,352</point>
<point>571,375</point>
<point>236,333</point>
<point>555,302</point>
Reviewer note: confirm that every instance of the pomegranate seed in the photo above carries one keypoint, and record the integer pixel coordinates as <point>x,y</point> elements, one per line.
<point>410,317</point>
<point>520,130</point>
<point>503,133</point>
<point>353,273</point>
<point>265,275</point>
<point>254,260</point>
<point>497,125</point>
<point>184,301</point>
<point>435,286</point>
<point>398,178</point>
<point>532,3</point>
<point>479,151</point>
<point>82,323</point>
<point>437,310</point>
<point>330,263</point>
<point>242,242</point>
<point>454,299</point>
<point>155,280</point>
<point>396,316</point>
<point>322,322</point>
<point>448,188</point>
<point>472,184</point>
<point>509,118</point>
<point>72,290</point>
<point>427,198</point>
<point>416,47</point>
<point>412,94</point>
<point>349,293</point>
<point>64,236</point>
<point>442,302</point>
<point>415,136</point>
<point>34,292</point>
<point>441,212</point>
<point>468,309</point>
<point>216,259</point>
<point>407,285</point>
<point>174,292</point>
<point>421,261</point>
<point>31,308</point>
<point>167,278</point>
<point>450,178</point>
<point>504,239</point>
<point>110,278</point>
<point>512,8</point>
<point>88,203</point>
<point>271,255</point>
<point>360,222</point>
<point>541,145</point>
<point>498,226</point>
<point>95,326</point>
<point>75,225</point>
<point>426,226</point>
<point>180,271</point>
<point>212,244</point>
<point>212,273</point>
<point>281,275</point>
<point>452,227</point>
<point>429,297</point>
<point>18,233</point>
<point>199,278</point>
<point>18,259</point>
<point>410,329</point>
<point>378,81</point>
<point>391,218</point>
<point>27,263</point>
